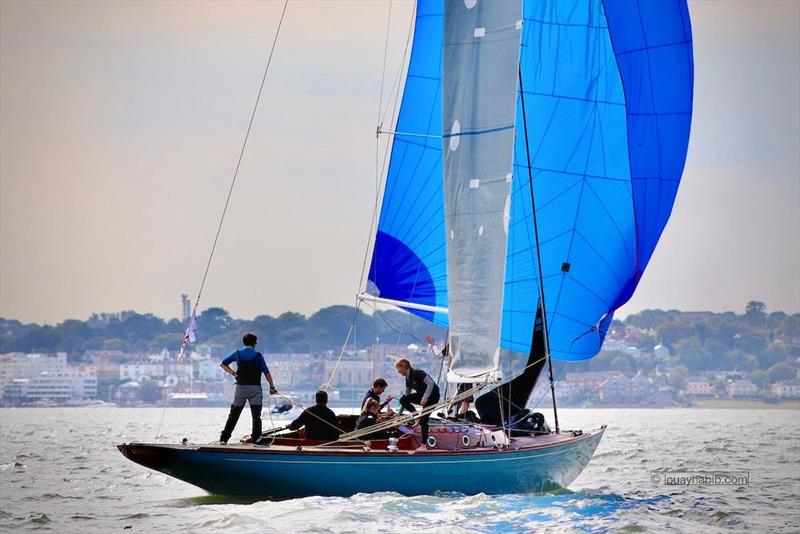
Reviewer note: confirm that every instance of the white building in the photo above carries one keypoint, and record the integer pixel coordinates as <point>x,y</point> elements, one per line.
<point>15,365</point>
<point>63,386</point>
<point>742,388</point>
<point>135,371</point>
<point>207,370</point>
<point>40,378</point>
<point>699,386</point>
<point>787,389</point>
<point>349,374</point>
<point>289,368</point>
<point>184,370</point>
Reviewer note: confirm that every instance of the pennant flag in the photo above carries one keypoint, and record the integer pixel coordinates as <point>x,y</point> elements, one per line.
<point>190,335</point>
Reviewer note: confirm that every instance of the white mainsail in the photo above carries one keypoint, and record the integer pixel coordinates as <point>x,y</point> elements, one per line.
<point>480,58</point>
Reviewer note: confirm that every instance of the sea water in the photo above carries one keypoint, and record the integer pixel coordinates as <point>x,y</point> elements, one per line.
<point>60,471</point>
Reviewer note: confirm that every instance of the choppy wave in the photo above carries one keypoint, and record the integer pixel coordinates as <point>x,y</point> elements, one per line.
<point>59,471</point>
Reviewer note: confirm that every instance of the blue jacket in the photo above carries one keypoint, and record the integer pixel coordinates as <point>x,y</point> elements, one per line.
<point>248,354</point>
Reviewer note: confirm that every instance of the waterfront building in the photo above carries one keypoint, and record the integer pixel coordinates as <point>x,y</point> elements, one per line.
<point>39,378</point>
<point>787,389</point>
<point>208,370</point>
<point>696,385</point>
<point>742,388</point>
<point>590,379</point>
<point>135,371</point>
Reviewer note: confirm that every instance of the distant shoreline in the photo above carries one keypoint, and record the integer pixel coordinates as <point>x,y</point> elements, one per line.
<point>748,404</point>
<point>711,404</point>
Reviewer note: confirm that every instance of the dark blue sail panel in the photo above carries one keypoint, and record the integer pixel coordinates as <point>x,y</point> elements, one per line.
<point>409,257</point>
<point>608,104</point>
<point>653,45</point>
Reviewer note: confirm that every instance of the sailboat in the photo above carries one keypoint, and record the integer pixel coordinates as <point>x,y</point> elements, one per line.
<point>534,164</point>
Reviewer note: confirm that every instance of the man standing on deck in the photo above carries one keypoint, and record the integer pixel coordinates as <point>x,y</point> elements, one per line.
<point>249,367</point>
<point>426,392</point>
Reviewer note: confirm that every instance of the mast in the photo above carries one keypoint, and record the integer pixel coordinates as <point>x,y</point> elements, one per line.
<point>538,253</point>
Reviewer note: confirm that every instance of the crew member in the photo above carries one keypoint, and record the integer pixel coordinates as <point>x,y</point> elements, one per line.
<point>319,420</point>
<point>370,417</point>
<point>425,393</point>
<point>250,365</point>
<point>375,392</point>
<point>462,412</point>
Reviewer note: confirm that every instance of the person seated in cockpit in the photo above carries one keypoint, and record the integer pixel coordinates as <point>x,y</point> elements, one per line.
<point>371,417</point>
<point>319,420</point>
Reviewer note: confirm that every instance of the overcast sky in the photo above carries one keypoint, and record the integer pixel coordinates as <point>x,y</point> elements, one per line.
<point>120,125</point>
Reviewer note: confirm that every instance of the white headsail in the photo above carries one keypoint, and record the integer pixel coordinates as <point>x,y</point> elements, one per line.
<point>479,79</point>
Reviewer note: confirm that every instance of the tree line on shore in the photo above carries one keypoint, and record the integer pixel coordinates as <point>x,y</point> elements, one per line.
<point>751,341</point>
<point>294,332</point>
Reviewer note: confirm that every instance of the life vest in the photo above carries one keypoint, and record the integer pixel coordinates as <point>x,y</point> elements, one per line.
<point>248,373</point>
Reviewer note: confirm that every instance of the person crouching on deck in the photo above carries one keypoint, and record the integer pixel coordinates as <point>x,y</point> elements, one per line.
<point>319,420</point>
<point>370,416</point>
<point>249,367</point>
<point>374,393</point>
<point>462,412</point>
<point>426,392</point>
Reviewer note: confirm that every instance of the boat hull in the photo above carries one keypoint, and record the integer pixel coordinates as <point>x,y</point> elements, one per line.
<point>282,472</point>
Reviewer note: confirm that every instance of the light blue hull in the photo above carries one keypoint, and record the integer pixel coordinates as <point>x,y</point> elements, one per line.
<point>282,472</point>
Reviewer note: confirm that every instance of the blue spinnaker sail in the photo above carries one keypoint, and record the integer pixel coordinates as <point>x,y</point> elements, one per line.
<point>409,257</point>
<point>608,98</point>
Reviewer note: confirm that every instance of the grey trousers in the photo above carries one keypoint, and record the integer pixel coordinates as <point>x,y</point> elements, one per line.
<point>247,393</point>
<point>242,394</point>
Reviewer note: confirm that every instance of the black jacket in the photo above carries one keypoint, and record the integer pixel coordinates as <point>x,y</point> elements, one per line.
<point>320,423</point>
<point>365,420</point>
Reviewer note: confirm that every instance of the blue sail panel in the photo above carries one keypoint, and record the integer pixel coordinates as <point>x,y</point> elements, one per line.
<point>409,254</point>
<point>653,47</point>
<point>607,93</point>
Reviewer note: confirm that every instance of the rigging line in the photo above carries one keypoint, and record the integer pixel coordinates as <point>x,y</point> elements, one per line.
<point>560,371</point>
<point>398,75</point>
<point>327,384</point>
<point>396,330</point>
<point>241,153</point>
<point>408,134</point>
<point>355,358</point>
<point>402,419</point>
<point>557,379</point>
<point>380,171</point>
<point>300,404</point>
<point>380,98</point>
<point>385,55</point>
<point>161,421</point>
<point>538,249</point>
